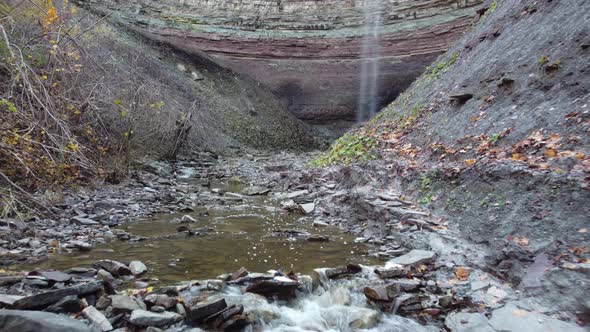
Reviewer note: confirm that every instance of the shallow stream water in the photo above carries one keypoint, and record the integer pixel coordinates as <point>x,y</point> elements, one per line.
<point>242,232</point>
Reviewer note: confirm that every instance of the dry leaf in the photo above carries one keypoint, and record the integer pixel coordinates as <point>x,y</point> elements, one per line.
<point>551,153</point>
<point>462,273</point>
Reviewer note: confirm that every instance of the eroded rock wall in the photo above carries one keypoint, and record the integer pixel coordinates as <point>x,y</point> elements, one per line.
<point>306,51</point>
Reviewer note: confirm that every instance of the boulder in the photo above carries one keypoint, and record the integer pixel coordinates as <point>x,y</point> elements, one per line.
<point>381,293</point>
<point>35,321</point>
<point>146,318</point>
<point>137,268</point>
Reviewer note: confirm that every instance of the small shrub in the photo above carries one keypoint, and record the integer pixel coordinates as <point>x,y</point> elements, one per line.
<point>349,148</point>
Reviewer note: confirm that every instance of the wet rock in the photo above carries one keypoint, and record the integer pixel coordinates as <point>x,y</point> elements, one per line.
<point>70,304</point>
<point>35,282</point>
<point>467,322</point>
<point>319,223</point>
<point>339,272</point>
<point>510,318</point>
<point>297,194</point>
<point>145,318</point>
<point>242,272</point>
<point>367,319</point>
<point>114,267</point>
<point>162,300</point>
<point>381,293</point>
<point>414,258</point>
<point>44,299</point>
<point>318,238</point>
<point>391,272</point>
<point>280,287</point>
<point>290,233</point>
<point>217,319</point>
<point>236,323</point>
<point>199,312</point>
<point>97,318</point>
<point>255,191</point>
<point>137,268</point>
<point>123,303</point>
<point>8,300</point>
<point>29,321</point>
<point>290,205</point>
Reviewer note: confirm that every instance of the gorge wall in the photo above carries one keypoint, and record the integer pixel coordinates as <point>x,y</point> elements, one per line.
<point>306,51</point>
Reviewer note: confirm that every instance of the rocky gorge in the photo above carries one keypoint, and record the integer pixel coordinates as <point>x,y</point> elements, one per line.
<point>461,206</point>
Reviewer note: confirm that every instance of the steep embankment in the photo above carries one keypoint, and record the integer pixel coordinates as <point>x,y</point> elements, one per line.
<point>494,136</point>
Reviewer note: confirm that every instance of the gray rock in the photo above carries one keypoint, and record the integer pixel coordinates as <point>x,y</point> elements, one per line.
<point>281,287</point>
<point>137,268</point>
<point>97,318</point>
<point>103,302</point>
<point>82,246</point>
<point>468,322</point>
<point>381,293</point>
<point>123,303</point>
<point>35,321</point>
<point>44,299</point>
<point>414,258</point>
<point>147,318</point>
<point>240,273</point>
<point>510,318</point>
<point>343,271</point>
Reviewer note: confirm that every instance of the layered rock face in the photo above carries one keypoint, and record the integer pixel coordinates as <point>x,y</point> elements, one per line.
<point>307,51</point>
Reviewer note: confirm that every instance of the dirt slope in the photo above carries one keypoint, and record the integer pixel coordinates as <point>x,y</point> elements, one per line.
<point>494,136</point>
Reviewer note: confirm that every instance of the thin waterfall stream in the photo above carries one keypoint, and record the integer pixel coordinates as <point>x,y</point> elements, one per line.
<point>369,75</point>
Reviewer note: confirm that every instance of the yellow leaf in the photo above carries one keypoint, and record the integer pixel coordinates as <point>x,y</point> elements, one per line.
<point>470,162</point>
<point>580,155</point>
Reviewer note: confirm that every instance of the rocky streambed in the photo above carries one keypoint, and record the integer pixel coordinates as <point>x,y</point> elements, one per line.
<point>188,246</point>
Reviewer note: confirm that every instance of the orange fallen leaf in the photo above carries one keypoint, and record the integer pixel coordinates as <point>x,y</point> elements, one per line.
<point>462,273</point>
<point>551,153</point>
<point>580,155</point>
<point>470,162</point>
<point>474,119</point>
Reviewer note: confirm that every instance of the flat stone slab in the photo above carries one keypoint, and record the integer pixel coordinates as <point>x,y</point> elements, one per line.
<point>147,318</point>
<point>468,322</point>
<point>44,299</point>
<point>510,318</point>
<point>414,257</point>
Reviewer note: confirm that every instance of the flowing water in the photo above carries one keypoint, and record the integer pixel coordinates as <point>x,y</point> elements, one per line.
<point>369,89</point>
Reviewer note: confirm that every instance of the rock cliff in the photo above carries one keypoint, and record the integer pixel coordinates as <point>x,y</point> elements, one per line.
<point>306,51</point>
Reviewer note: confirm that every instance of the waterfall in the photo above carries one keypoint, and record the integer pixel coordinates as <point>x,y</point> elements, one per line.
<point>369,89</point>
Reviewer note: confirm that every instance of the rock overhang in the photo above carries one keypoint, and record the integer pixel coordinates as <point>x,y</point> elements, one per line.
<point>307,52</point>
